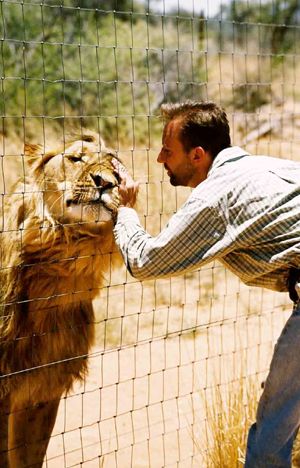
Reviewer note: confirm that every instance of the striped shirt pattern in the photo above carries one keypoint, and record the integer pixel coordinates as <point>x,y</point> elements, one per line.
<point>246,214</point>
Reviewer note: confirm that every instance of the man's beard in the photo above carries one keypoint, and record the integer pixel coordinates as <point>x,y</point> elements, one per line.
<point>182,178</point>
<point>174,180</point>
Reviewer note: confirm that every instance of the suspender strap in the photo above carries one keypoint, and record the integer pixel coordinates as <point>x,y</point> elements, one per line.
<point>293,278</point>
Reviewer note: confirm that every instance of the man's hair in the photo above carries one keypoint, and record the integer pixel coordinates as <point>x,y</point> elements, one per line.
<point>202,124</point>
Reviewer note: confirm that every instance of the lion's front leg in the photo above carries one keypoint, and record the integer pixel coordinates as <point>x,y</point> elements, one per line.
<point>29,432</point>
<point>4,413</point>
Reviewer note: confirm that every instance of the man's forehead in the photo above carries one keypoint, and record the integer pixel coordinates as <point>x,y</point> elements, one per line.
<point>171,130</point>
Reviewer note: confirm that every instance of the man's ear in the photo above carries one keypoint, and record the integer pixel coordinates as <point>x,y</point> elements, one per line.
<point>201,159</point>
<point>198,155</point>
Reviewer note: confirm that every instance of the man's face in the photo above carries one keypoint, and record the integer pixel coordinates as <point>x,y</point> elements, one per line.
<point>173,156</point>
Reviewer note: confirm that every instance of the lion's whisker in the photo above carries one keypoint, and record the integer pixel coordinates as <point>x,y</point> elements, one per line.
<point>56,201</point>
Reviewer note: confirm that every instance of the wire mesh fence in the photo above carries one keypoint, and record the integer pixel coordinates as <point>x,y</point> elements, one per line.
<point>162,355</point>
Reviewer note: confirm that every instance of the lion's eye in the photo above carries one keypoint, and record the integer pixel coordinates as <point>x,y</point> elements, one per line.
<point>76,158</point>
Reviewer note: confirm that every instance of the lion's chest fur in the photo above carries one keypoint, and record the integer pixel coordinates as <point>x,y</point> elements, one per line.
<point>50,314</point>
<point>73,272</point>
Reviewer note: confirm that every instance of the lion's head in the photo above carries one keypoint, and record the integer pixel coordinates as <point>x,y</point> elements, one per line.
<point>58,222</point>
<point>77,183</point>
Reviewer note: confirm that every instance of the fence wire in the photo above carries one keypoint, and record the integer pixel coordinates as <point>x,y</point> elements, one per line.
<point>168,355</point>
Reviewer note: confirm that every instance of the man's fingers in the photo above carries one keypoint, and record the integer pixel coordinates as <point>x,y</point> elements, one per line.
<point>125,177</point>
<point>120,168</point>
<point>128,188</point>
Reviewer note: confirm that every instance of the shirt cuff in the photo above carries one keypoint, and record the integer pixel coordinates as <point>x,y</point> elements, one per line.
<point>127,214</point>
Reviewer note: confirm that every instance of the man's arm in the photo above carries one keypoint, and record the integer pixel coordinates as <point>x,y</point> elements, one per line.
<point>195,235</point>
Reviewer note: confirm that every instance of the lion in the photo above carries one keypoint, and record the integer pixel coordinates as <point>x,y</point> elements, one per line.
<point>56,245</point>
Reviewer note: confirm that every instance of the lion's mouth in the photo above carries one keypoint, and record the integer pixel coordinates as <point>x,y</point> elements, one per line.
<point>94,192</point>
<point>79,201</point>
<point>94,202</point>
<point>95,197</point>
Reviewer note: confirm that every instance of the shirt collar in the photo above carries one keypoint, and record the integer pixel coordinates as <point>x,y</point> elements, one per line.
<point>227,155</point>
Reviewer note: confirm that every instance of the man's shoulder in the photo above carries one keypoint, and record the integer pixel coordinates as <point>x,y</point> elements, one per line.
<point>236,158</point>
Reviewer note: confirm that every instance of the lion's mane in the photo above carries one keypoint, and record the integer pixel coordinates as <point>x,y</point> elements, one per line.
<point>51,270</point>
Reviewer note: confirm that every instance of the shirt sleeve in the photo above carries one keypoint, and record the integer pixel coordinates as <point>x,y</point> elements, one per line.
<point>195,235</point>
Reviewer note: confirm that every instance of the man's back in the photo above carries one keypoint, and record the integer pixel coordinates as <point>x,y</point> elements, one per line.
<point>259,200</point>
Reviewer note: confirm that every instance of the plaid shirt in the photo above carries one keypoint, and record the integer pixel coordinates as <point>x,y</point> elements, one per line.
<point>246,214</point>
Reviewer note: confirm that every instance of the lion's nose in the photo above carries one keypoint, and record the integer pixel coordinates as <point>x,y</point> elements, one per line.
<point>96,179</point>
<point>100,182</point>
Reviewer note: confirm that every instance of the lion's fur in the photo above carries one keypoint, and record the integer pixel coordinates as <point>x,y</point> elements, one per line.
<point>52,267</point>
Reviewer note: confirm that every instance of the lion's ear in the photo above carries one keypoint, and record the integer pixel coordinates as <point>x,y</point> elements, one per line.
<point>92,137</point>
<point>32,152</point>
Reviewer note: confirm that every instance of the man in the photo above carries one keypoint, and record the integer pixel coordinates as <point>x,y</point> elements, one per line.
<point>245,211</point>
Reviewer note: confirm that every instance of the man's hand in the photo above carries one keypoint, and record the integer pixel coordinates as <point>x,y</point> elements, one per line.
<point>128,188</point>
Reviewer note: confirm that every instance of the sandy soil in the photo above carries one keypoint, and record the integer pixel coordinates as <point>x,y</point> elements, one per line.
<point>143,403</point>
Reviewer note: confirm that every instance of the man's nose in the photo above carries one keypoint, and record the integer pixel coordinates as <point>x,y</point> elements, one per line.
<point>160,157</point>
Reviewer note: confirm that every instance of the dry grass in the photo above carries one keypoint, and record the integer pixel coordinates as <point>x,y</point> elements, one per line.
<point>230,413</point>
<point>296,453</point>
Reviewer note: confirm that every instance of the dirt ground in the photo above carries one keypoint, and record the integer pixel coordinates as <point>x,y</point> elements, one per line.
<point>144,404</point>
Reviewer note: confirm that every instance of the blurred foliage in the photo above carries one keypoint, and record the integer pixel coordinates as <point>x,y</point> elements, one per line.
<point>101,64</point>
<point>249,96</point>
<point>274,17</point>
<point>268,30</point>
<point>109,64</point>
